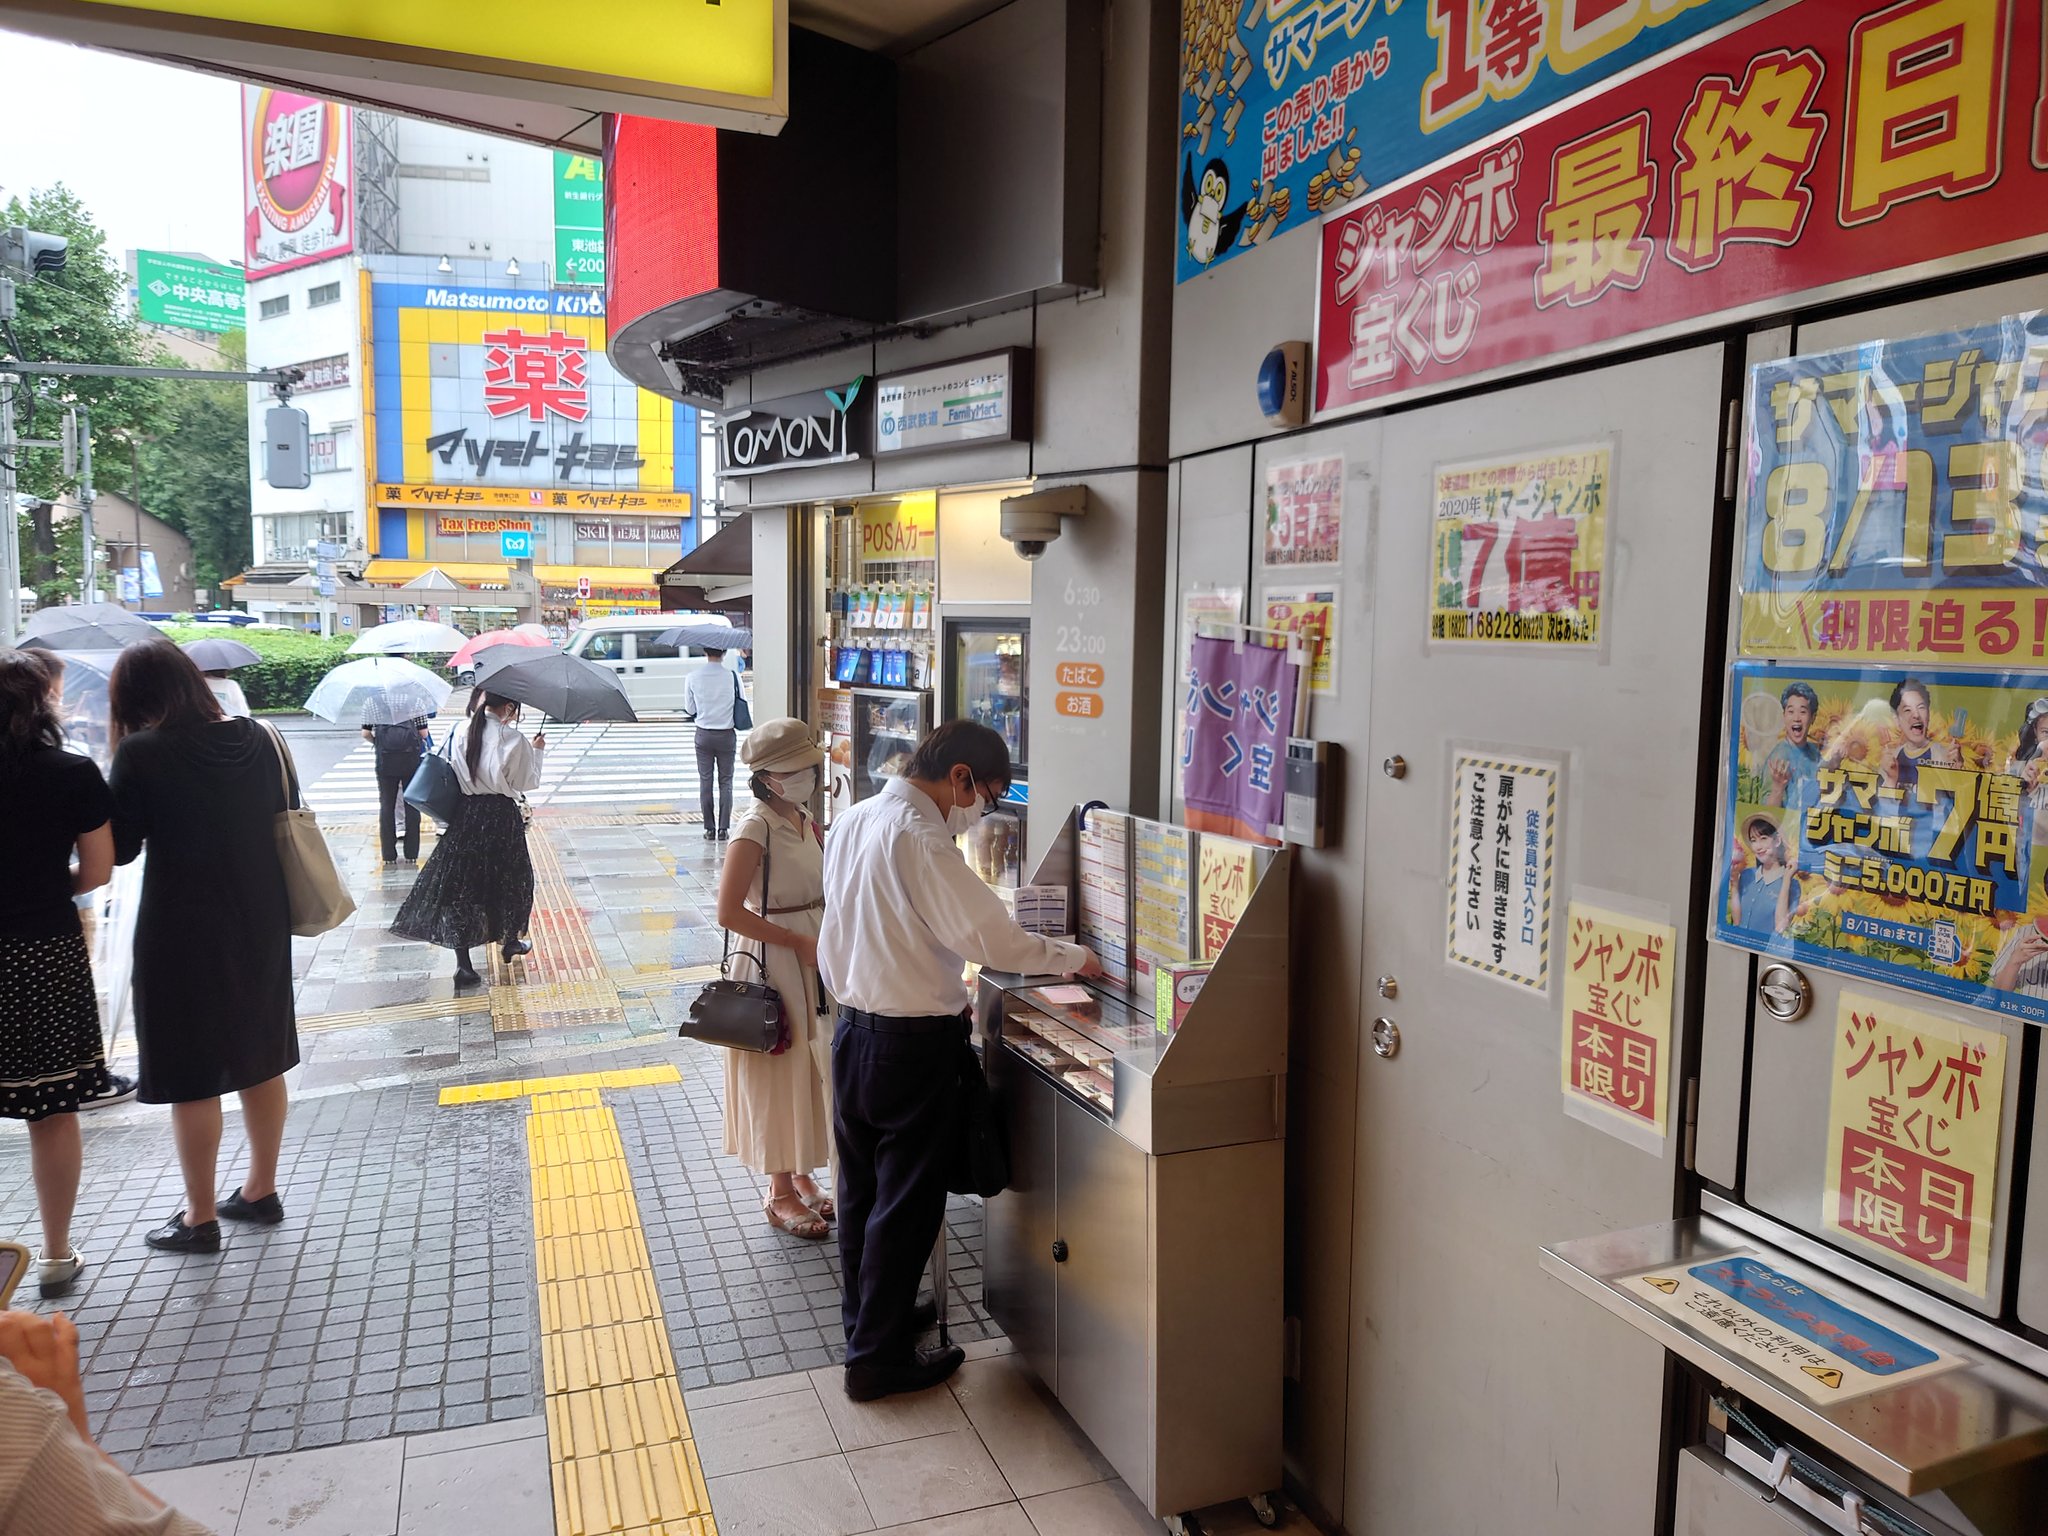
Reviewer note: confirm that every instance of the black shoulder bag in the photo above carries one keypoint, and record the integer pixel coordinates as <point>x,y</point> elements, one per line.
<point>741,1015</point>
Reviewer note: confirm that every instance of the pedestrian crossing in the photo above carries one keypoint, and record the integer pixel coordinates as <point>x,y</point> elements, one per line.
<point>646,762</point>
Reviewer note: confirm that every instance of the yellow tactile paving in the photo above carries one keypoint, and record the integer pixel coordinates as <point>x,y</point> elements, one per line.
<point>622,1459</point>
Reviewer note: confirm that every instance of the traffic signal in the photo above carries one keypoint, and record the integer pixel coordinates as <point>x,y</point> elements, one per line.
<point>38,255</point>
<point>287,451</point>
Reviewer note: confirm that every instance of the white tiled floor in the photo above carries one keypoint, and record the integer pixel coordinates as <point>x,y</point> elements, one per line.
<point>988,1454</point>
<point>492,1478</point>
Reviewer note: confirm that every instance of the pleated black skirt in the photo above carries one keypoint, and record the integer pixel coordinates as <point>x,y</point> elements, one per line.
<point>477,886</point>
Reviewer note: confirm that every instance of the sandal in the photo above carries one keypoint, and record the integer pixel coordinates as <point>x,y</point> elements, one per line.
<point>809,1226</point>
<point>817,1202</point>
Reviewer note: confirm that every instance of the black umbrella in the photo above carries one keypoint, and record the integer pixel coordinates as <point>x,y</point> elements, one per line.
<point>212,655</point>
<point>86,627</point>
<point>560,686</point>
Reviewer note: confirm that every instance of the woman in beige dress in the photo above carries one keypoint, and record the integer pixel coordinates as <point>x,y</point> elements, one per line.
<point>778,1111</point>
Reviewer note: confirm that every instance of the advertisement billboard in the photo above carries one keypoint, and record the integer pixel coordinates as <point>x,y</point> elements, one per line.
<point>189,294</point>
<point>1892,824</point>
<point>486,391</point>
<point>1791,158</point>
<point>1292,107</point>
<point>297,177</point>
<point>579,219</point>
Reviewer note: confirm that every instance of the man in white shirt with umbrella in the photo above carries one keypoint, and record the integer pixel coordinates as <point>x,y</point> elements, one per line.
<point>903,915</point>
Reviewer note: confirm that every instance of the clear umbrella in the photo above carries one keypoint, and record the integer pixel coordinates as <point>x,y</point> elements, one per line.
<point>404,637</point>
<point>211,655</point>
<point>86,627</point>
<point>378,690</point>
<point>700,636</point>
<point>561,686</point>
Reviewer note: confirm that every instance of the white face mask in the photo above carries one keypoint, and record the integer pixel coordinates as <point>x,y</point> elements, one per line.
<point>797,788</point>
<point>961,820</point>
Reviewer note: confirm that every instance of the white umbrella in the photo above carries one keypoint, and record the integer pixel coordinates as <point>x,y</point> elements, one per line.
<point>378,690</point>
<point>408,636</point>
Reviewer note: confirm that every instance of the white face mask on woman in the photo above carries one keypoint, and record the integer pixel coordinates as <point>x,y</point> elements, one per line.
<point>796,788</point>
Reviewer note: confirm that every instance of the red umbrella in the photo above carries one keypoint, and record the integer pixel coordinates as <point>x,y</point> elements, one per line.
<point>466,657</point>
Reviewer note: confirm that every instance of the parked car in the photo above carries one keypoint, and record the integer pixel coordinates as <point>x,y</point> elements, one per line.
<point>651,673</point>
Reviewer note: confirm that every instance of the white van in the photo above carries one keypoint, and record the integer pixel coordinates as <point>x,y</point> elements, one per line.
<point>630,645</point>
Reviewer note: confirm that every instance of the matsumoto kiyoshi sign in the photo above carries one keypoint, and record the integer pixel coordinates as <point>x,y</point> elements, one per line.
<point>827,426</point>
<point>504,389</point>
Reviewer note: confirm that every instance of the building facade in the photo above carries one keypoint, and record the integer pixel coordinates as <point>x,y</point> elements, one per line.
<point>464,420</point>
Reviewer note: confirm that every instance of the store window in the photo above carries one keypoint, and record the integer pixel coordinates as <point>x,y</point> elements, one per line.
<point>326,293</point>
<point>334,450</point>
<point>290,537</point>
<point>270,309</point>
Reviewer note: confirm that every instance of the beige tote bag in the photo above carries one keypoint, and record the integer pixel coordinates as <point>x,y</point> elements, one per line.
<point>319,901</point>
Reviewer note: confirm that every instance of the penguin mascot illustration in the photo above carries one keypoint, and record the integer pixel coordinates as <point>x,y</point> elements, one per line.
<point>1210,229</point>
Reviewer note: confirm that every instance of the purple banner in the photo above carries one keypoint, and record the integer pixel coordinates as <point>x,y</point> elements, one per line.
<point>1239,713</point>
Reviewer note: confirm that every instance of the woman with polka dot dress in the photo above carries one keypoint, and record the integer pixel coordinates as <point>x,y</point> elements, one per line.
<point>51,1058</point>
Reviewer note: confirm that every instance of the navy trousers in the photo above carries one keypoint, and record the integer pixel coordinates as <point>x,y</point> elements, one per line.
<point>892,1114</point>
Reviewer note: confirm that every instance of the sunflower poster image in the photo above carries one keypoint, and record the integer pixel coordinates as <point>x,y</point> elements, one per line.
<point>1519,548</point>
<point>1893,825</point>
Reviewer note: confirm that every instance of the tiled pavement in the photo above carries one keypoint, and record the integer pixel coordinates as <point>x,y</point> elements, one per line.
<point>399,1295</point>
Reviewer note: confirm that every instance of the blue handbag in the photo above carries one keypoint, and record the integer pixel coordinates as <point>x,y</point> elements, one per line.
<point>434,788</point>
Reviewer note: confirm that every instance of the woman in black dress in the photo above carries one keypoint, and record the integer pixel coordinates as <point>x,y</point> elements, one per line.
<point>477,887</point>
<point>213,947</point>
<point>50,1053</point>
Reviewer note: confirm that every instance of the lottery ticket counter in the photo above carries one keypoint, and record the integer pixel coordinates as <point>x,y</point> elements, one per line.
<point>1135,1260</point>
<point>1860,1302</point>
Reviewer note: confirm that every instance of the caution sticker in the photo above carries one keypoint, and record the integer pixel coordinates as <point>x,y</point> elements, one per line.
<point>1812,1343</point>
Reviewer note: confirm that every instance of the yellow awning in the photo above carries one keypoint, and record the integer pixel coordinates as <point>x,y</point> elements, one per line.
<point>600,575</point>
<point>398,572</point>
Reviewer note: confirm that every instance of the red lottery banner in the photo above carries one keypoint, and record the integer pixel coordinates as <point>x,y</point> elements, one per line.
<point>1820,145</point>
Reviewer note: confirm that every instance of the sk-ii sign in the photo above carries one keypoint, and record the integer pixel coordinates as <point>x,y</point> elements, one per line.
<point>797,432</point>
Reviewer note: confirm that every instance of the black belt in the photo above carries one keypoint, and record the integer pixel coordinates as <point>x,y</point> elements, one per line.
<point>894,1024</point>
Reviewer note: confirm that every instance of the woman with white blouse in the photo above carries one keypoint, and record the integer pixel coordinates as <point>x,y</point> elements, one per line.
<point>477,887</point>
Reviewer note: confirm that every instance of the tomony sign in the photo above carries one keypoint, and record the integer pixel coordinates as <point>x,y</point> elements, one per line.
<point>826,426</point>
<point>720,62</point>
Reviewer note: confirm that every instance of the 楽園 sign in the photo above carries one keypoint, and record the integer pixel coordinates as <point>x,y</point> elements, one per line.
<point>297,181</point>
<point>191,295</point>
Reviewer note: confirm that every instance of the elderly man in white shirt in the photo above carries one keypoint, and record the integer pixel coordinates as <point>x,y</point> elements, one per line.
<point>903,915</point>
<point>711,695</point>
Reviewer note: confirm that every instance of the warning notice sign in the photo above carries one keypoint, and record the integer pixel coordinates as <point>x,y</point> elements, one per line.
<point>1809,1341</point>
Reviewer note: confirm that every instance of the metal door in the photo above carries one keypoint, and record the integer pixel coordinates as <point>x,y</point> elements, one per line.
<point>1483,1396</point>
<point>1103,1294</point>
<point>1787,1121</point>
<point>1022,1225</point>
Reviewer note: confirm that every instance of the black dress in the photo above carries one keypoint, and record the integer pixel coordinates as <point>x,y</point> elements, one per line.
<point>213,945</point>
<point>50,1052</point>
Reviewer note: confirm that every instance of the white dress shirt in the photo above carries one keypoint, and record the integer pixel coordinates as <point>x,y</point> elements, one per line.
<point>709,694</point>
<point>508,765</point>
<point>904,913</point>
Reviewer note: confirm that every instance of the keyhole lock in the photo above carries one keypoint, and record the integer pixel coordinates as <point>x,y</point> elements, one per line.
<point>1386,1039</point>
<point>1395,767</point>
<point>1389,987</point>
<point>1059,1250</point>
